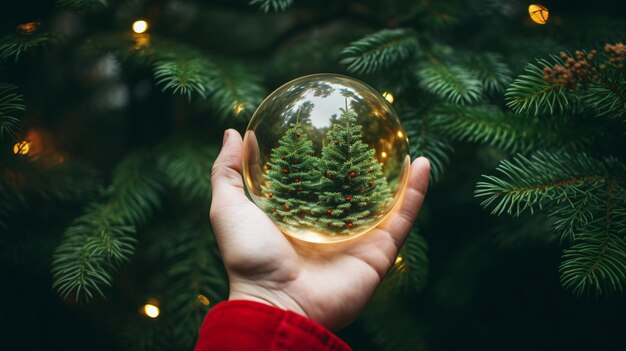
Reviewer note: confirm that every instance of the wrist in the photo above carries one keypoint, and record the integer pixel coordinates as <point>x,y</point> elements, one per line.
<point>277,299</point>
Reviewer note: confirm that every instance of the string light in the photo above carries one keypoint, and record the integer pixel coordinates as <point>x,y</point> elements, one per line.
<point>140,26</point>
<point>538,13</point>
<point>21,147</point>
<point>400,264</point>
<point>28,28</point>
<point>383,154</point>
<point>238,107</point>
<point>388,96</point>
<point>151,309</point>
<point>203,300</point>
<point>400,134</point>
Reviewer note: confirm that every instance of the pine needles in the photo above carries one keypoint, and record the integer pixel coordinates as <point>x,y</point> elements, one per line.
<point>453,83</point>
<point>379,50</point>
<point>10,103</point>
<point>272,5</point>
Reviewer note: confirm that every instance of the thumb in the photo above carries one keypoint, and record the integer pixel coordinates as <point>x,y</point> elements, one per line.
<point>226,181</point>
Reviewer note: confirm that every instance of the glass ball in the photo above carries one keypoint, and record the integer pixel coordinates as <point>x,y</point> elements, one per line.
<point>325,156</point>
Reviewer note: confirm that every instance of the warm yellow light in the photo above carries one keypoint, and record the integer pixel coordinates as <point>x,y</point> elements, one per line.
<point>400,265</point>
<point>151,310</point>
<point>538,13</point>
<point>140,26</point>
<point>388,96</point>
<point>238,107</point>
<point>400,134</point>
<point>203,300</point>
<point>399,260</point>
<point>383,154</point>
<point>21,148</point>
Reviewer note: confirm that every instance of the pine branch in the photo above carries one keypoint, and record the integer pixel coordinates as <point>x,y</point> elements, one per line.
<point>135,191</point>
<point>607,100</point>
<point>530,94</point>
<point>99,241</point>
<point>425,140</point>
<point>451,82</point>
<point>187,167</point>
<point>597,260</point>
<point>272,5</point>
<point>494,74</point>
<point>184,76</point>
<point>82,5</point>
<point>411,268</point>
<point>91,251</point>
<point>489,125</point>
<point>14,45</point>
<point>235,91</point>
<point>379,50</point>
<point>196,270</point>
<point>10,103</point>
<point>530,183</point>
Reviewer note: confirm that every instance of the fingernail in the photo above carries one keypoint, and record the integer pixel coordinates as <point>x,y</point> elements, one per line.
<point>225,137</point>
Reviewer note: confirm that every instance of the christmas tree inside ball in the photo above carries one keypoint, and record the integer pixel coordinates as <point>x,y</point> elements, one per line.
<point>325,156</point>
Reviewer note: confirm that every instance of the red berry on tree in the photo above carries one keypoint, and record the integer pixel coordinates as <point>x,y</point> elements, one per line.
<point>349,225</point>
<point>286,208</point>
<point>298,134</point>
<point>371,184</point>
<point>270,195</point>
<point>283,157</point>
<point>285,171</point>
<point>329,212</point>
<point>297,180</point>
<point>336,142</point>
<point>329,175</point>
<point>348,198</point>
<point>352,174</point>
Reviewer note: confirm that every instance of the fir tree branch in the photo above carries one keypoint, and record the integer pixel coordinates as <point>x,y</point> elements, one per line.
<point>453,83</point>
<point>235,91</point>
<point>196,270</point>
<point>10,103</point>
<point>489,125</point>
<point>494,74</point>
<point>530,183</point>
<point>272,5</point>
<point>530,94</point>
<point>411,269</point>
<point>380,50</point>
<point>184,76</point>
<point>187,167</point>
<point>14,45</point>
<point>91,251</point>
<point>597,260</point>
<point>425,140</point>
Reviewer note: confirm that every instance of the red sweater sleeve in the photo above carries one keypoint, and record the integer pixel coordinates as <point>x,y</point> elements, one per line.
<point>245,325</point>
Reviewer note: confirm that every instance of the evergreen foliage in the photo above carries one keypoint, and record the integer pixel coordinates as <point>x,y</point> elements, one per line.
<point>272,5</point>
<point>354,188</point>
<point>10,103</point>
<point>379,50</point>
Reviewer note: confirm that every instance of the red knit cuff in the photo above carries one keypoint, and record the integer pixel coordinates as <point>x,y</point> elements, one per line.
<point>245,325</point>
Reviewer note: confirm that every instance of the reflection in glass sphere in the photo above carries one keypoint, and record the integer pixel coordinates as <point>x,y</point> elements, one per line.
<point>325,156</point>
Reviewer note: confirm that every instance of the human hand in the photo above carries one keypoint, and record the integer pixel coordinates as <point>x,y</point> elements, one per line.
<point>329,284</point>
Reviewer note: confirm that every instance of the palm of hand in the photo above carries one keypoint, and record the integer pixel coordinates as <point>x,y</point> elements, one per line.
<point>328,283</point>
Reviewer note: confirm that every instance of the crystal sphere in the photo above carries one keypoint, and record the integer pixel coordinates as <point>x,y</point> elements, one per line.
<point>325,156</point>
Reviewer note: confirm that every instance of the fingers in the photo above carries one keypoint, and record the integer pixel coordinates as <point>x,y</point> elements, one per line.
<point>226,181</point>
<point>401,221</point>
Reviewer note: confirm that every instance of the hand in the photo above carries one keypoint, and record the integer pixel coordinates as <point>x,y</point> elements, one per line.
<point>329,284</point>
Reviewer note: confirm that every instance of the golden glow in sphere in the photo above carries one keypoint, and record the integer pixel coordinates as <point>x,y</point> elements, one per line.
<point>538,13</point>
<point>326,158</point>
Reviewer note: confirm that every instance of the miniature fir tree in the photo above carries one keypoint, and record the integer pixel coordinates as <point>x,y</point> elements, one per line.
<point>354,189</point>
<point>292,178</point>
